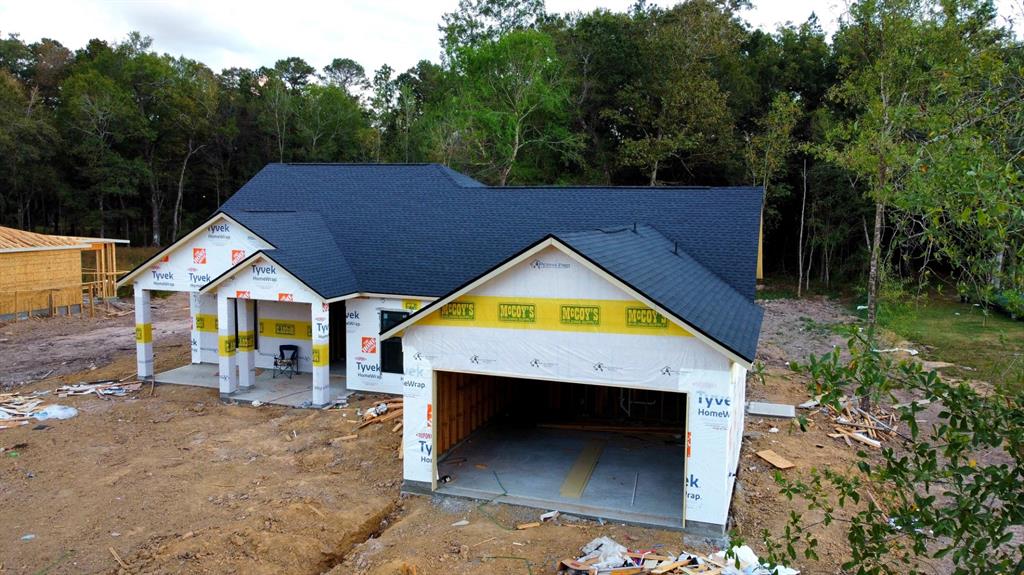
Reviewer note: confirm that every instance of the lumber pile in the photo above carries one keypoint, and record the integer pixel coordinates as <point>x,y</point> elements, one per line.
<point>604,556</point>
<point>854,425</point>
<point>382,412</point>
<point>16,409</point>
<point>101,388</point>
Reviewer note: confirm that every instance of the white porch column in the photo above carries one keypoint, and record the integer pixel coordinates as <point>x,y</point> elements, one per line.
<point>321,353</point>
<point>246,344</point>
<point>194,309</point>
<point>143,333</point>
<point>226,344</point>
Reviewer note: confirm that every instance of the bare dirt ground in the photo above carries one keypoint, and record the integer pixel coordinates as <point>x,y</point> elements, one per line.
<point>176,482</point>
<point>52,347</point>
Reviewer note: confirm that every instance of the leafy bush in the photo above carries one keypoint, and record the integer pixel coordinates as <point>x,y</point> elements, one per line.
<point>947,490</point>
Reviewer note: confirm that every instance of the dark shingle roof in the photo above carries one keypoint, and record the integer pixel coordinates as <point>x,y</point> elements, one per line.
<point>423,229</point>
<point>655,266</point>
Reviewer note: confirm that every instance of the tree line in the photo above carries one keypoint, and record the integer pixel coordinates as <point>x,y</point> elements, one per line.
<point>890,150</point>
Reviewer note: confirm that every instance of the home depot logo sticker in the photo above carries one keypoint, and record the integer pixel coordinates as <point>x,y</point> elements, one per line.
<point>645,317</point>
<point>165,259</point>
<point>369,345</point>
<point>243,294</point>
<point>689,443</point>
<point>199,255</point>
<point>237,256</point>
<point>430,415</point>
<point>460,310</point>
<point>285,297</point>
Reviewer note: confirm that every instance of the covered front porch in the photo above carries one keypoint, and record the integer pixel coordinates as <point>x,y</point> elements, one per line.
<point>266,388</point>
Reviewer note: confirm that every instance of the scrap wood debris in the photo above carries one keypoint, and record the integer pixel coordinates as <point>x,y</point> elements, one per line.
<point>381,412</point>
<point>100,388</point>
<point>17,409</point>
<point>854,425</point>
<point>605,556</point>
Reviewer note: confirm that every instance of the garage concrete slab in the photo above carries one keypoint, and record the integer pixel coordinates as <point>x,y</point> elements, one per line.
<point>294,392</point>
<point>528,466</point>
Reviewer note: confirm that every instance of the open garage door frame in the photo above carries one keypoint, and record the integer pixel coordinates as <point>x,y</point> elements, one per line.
<point>460,415</point>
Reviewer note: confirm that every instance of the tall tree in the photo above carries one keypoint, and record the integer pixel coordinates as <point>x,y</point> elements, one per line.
<point>885,50</point>
<point>674,110</point>
<point>478,21</point>
<point>514,99</point>
<point>347,73</point>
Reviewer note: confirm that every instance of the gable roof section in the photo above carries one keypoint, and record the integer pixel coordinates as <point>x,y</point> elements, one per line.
<point>130,275</point>
<point>657,268</point>
<point>655,271</point>
<point>422,228</point>
<point>305,248</point>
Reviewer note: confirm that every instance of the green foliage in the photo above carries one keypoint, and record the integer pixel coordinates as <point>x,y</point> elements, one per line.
<point>988,345</point>
<point>947,490</point>
<point>513,100</point>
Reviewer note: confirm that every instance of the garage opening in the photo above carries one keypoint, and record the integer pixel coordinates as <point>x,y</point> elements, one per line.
<point>599,451</point>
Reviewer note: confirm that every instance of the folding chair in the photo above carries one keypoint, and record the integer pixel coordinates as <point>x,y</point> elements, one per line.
<point>286,361</point>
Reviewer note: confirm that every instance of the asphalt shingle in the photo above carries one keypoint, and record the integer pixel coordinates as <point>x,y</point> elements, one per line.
<point>659,269</point>
<point>424,230</point>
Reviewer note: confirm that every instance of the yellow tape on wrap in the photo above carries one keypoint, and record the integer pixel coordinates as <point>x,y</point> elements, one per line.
<point>553,314</point>
<point>143,333</point>
<point>246,341</point>
<point>286,329</point>
<point>226,345</point>
<point>321,355</point>
<point>206,322</point>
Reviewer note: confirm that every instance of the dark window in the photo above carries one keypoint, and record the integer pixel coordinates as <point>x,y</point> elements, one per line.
<point>391,350</point>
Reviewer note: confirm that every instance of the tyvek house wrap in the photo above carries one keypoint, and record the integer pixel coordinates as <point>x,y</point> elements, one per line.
<point>551,318</point>
<point>363,345</point>
<point>190,266</point>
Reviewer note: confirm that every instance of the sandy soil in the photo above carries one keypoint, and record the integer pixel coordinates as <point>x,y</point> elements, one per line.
<point>177,482</point>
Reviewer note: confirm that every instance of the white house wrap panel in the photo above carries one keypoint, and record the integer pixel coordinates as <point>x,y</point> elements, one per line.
<point>362,342</point>
<point>209,253</point>
<point>552,318</point>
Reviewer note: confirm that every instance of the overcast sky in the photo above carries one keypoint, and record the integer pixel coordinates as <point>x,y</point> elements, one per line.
<point>253,33</point>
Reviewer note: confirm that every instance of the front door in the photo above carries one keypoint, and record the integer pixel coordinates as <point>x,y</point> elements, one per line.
<point>337,340</point>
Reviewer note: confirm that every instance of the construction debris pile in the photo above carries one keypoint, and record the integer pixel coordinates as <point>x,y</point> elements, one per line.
<point>605,556</point>
<point>17,409</point>
<point>853,424</point>
<point>383,411</point>
<point>104,389</point>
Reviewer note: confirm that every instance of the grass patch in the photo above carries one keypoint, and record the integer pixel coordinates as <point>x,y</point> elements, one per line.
<point>961,333</point>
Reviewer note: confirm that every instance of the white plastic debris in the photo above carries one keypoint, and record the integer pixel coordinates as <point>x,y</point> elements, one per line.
<point>549,516</point>
<point>896,349</point>
<point>862,307</point>
<point>749,563</point>
<point>607,551</point>
<point>55,412</point>
<point>460,523</point>
<point>256,403</point>
<point>773,430</point>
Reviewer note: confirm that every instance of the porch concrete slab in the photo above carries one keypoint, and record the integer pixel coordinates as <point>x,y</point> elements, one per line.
<point>527,466</point>
<point>294,392</point>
